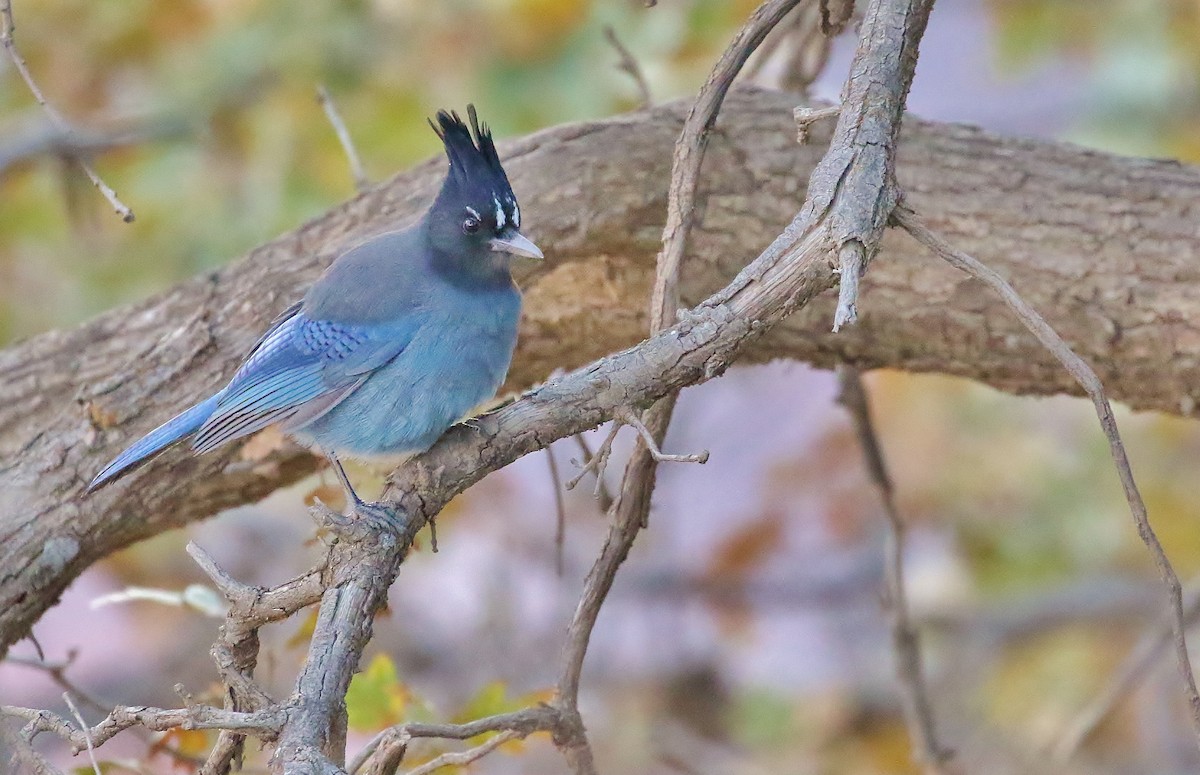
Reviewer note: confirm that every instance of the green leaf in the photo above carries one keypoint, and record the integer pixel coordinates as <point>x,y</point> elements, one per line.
<point>376,698</point>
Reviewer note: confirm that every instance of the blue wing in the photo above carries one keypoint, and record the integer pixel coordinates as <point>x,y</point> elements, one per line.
<point>300,369</point>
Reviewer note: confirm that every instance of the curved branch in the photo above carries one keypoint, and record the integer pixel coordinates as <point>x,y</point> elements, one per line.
<point>1102,243</point>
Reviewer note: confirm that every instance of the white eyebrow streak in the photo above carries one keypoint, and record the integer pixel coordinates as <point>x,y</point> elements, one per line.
<point>472,211</point>
<point>500,219</point>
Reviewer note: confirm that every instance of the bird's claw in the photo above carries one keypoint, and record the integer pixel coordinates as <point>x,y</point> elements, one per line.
<point>378,515</point>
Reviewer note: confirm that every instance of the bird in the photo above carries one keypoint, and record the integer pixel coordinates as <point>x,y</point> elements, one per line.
<point>399,339</point>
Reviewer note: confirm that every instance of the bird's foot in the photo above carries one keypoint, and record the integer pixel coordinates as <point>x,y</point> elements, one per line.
<point>379,516</point>
<point>361,522</point>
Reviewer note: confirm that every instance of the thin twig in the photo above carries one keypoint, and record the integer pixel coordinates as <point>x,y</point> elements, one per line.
<point>265,722</point>
<point>1087,379</point>
<point>560,510</point>
<point>236,651</point>
<point>689,155</point>
<point>251,607</point>
<point>1133,670</point>
<point>8,41</point>
<point>57,671</point>
<point>603,496</point>
<point>906,644</point>
<point>361,181</point>
<point>805,116</point>
<point>51,140</point>
<point>537,718</point>
<point>628,64</point>
<point>597,463</point>
<point>462,758</point>
<point>83,727</point>
<point>633,421</point>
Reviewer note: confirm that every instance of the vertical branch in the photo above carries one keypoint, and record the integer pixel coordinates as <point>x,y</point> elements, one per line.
<point>7,40</point>
<point>632,506</point>
<point>906,645</point>
<point>560,510</point>
<point>1087,379</point>
<point>362,565</point>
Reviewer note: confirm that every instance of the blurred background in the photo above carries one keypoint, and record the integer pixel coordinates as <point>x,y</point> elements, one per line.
<point>745,634</point>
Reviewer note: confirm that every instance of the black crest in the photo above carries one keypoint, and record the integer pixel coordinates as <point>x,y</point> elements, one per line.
<point>474,163</point>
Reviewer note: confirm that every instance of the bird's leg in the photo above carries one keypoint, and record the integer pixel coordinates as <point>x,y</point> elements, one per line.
<point>372,511</point>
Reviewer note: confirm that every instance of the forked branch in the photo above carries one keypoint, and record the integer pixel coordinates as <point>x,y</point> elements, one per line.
<point>1087,379</point>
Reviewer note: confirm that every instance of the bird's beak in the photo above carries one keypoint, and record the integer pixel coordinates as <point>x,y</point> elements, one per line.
<point>517,244</point>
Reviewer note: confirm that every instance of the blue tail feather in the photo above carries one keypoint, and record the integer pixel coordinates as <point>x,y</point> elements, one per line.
<point>156,441</point>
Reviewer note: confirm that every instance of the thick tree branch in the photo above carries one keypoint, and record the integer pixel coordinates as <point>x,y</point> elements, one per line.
<point>1103,243</point>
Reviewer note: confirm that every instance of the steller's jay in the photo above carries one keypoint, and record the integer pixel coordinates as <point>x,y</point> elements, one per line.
<point>400,338</point>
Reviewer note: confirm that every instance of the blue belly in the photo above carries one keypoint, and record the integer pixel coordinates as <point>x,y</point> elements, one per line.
<point>407,404</point>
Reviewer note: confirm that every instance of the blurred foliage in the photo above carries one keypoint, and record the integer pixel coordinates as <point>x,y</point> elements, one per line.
<point>376,698</point>
<point>258,156</point>
<point>1140,57</point>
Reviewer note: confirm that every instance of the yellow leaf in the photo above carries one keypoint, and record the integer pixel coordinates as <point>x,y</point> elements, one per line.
<point>376,698</point>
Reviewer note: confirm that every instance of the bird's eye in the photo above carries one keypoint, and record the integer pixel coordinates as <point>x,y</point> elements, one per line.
<point>471,224</point>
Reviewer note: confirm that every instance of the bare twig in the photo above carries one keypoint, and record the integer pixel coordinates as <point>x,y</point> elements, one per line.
<point>461,758</point>
<point>851,259</point>
<point>805,116</point>
<point>524,722</point>
<point>83,727</point>
<point>602,494</point>
<point>628,64</point>
<point>57,671</point>
<point>1087,379</point>
<point>9,43</point>
<point>689,155</point>
<point>251,607</point>
<point>633,421</point>
<point>560,510</point>
<point>361,181</point>
<point>1140,661</point>
<point>236,651</point>
<point>597,463</point>
<point>918,710</point>
<point>265,723</point>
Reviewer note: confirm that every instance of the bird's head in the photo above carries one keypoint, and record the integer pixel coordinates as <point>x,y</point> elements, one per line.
<point>476,212</point>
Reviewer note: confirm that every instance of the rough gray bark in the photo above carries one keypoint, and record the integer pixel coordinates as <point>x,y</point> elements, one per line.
<point>1103,245</point>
